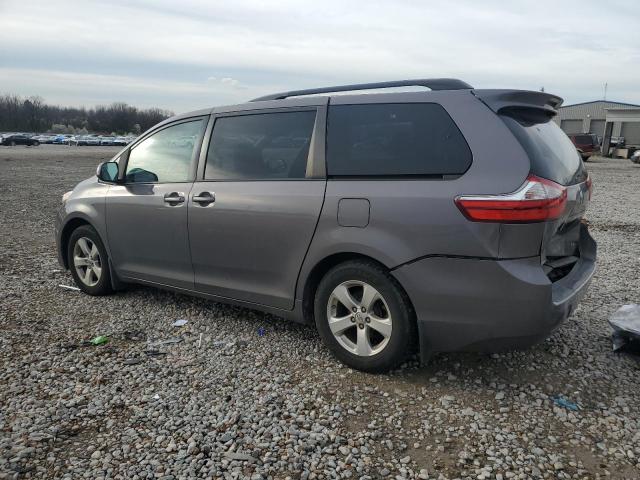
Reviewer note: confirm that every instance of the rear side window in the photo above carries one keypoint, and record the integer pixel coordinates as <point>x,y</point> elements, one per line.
<point>394,140</point>
<point>267,146</point>
<point>551,152</point>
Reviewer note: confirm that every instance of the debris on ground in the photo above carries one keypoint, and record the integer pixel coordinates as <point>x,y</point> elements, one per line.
<point>563,402</point>
<point>261,332</point>
<point>99,340</point>
<point>69,287</point>
<point>154,353</point>
<point>180,322</point>
<point>133,361</point>
<point>230,348</point>
<point>168,341</point>
<point>626,325</point>
<point>134,335</point>
<point>241,457</point>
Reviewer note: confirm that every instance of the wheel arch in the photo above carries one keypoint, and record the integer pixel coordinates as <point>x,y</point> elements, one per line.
<point>65,235</point>
<point>319,270</point>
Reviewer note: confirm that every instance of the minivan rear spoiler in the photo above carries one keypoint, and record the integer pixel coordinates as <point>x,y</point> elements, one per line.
<point>498,100</point>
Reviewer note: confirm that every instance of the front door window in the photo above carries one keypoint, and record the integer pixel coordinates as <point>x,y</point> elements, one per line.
<point>165,156</point>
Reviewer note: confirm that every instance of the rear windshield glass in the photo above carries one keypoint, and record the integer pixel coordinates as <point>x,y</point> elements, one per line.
<point>394,140</point>
<point>553,156</point>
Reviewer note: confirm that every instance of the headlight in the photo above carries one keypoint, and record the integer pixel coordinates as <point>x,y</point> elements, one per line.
<point>66,196</point>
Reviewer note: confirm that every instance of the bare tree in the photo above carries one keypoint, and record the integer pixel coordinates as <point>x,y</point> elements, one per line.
<point>34,115</point>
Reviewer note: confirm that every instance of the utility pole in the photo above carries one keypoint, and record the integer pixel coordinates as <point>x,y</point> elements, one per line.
<point>605,90</point>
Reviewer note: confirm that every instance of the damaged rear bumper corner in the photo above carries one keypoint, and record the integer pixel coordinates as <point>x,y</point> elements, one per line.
<point>467,304</point>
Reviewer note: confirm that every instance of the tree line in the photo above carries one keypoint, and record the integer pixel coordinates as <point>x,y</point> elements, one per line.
<point>32,114</point>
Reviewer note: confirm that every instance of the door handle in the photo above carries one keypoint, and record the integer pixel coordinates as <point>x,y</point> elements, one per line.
<point>204,198</point>
<point>174,197</point>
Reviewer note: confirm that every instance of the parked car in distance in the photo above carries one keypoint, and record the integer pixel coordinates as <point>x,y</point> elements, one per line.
<point>83,140</point>
<point>77,140</point>
<point>635,158</point>
<point>586,144</point>
<point>392,221</point>
<point>19,139</point>
<point>62,139</point>
<point>107,140</point>
<point>120,141</point>
<point>44,138</point>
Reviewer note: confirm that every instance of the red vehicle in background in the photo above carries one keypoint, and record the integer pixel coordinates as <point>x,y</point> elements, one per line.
<point>586,144</point>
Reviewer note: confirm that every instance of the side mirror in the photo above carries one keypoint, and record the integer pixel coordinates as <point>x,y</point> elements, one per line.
<point>108,172</point>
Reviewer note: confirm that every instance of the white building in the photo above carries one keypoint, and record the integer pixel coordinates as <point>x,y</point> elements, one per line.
<point>591,117</point>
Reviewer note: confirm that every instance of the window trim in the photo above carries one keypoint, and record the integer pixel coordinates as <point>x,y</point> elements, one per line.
<point>194,155</point>
<point>443,177</point>
<point>316,163</point>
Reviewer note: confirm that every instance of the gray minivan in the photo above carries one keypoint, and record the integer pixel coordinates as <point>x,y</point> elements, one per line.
<point>440,220</point>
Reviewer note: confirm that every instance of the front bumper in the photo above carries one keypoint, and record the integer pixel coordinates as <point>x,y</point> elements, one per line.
<point>465,304</point>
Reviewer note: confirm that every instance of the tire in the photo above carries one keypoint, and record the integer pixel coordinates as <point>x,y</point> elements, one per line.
<point>36,143</point>
<point>359,341</point>
<point>80,251</point>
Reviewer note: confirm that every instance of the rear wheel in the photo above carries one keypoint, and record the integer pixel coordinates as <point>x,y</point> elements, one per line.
<point>88,261</point>
<point>364,316</point>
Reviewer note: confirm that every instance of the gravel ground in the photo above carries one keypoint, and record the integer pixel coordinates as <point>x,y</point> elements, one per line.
<point>247,395</point>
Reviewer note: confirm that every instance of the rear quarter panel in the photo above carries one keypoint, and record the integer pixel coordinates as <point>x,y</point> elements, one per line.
<point>414,218</point>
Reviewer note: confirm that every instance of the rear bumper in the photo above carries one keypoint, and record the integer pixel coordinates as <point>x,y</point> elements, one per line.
<point>491,305</point>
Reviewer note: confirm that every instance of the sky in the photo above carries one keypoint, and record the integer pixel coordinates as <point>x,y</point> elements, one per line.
<point>190,54</point>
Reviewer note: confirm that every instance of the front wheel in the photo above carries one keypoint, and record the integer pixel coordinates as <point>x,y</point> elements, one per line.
<point>364,316</point>
<point>88,261</point>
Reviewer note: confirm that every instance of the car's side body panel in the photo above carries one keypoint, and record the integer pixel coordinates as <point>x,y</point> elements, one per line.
<point>148,235</point>
<point>149,238</point>
<point>250,242</point>
<point>86,204</point>
<point>414,218</point>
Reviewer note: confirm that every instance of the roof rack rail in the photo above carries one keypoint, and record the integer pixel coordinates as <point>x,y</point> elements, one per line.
<point>432,83</point>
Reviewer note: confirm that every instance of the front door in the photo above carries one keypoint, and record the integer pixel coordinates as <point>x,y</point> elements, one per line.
<point>253,213</point>
<point>147,214</point>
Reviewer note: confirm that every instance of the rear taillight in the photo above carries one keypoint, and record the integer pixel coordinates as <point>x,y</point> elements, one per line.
<point>537,200</point>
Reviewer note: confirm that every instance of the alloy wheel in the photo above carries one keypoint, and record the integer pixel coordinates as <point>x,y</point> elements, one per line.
<point>87,261</point>
<point>359,318</point>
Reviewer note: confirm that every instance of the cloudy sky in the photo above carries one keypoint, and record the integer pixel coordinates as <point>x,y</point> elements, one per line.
<point>188,54</point>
